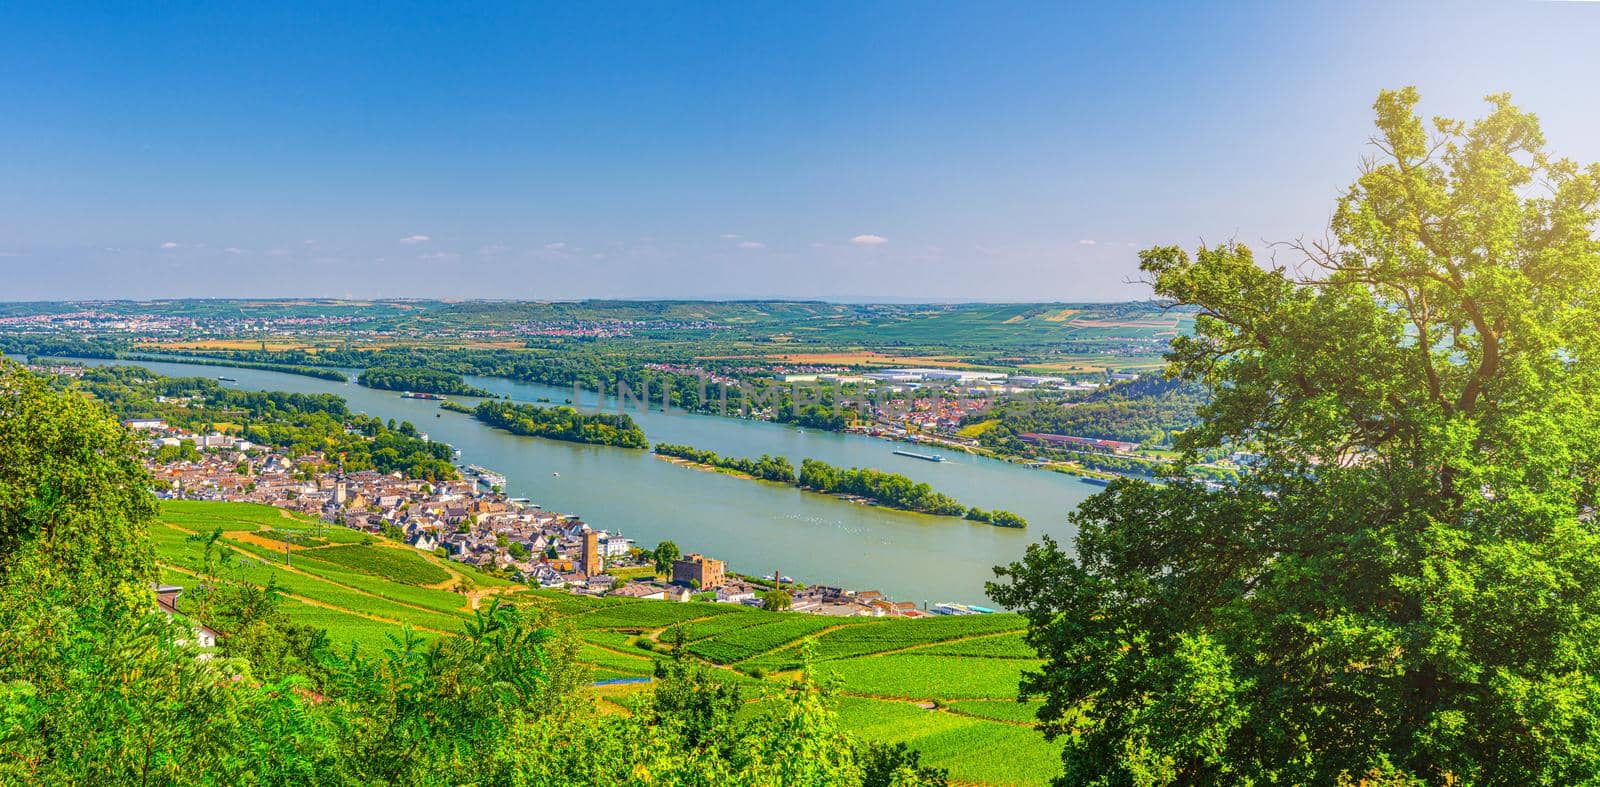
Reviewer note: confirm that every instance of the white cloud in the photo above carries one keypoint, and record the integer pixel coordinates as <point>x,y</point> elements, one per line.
<point>1132,245</point>
<point>750,244</point>
<point>1086,243</point>
<point>279,252</point>
<point>491,250</point>
<point>233,250</point>
<point>170,245</point>
<point>557,246</point>
<point>412,240</point>
<point>869,240</point>
<point>10,254</point>
<point>730,236</point>
<point>439,256</point>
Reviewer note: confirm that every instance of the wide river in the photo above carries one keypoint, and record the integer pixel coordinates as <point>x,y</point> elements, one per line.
<point>757,527</point>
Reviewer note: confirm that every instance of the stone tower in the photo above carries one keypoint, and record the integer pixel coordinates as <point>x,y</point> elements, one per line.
<point>593,562</point>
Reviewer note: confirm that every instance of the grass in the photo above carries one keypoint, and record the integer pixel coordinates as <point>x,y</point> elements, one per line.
<point>750,641</point>
<point>977,751</point>
<point>344,628</point>
<point>616,662</point>
<point>928,677</point>
<point>1002,646</point>
<point>396,564</point>
<point>365,593</point>
<point>899,633</point>
<point>1001,710</point>
<point>710,627</point>
<point>230,517</point>
<point>646,614</point>
<point>632,572</point>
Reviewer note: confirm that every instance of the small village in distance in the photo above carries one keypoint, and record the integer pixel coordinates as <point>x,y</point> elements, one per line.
<point>474,522</point>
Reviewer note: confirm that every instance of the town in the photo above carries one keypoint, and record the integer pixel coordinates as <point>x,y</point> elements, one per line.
<point>472,521</point>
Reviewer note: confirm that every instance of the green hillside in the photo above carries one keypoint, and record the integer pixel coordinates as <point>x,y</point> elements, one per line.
<point>944,686</point>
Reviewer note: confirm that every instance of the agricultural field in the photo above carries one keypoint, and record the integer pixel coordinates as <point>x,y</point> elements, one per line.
<point>754,640</point>
<point>921,677</point>
<point>1002,646</point>
<point>399,565</point>
<point>945,686</point>
<point>977,751</point>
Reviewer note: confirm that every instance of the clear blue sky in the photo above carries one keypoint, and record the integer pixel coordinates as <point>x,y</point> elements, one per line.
<point>917,150</point>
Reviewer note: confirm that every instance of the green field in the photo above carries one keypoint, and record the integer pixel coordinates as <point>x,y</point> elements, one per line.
<point>399,565</point>
<point>945,686</point>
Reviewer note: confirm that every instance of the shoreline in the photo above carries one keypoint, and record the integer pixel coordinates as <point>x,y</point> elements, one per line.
<point>847,498</point>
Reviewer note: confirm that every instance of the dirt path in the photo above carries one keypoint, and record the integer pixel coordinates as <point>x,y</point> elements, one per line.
<point>475,597</point>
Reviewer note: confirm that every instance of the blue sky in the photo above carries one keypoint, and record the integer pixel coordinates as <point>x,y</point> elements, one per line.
<point>1000,151</point>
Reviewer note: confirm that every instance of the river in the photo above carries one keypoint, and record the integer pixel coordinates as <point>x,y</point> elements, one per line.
<point>757,527</point>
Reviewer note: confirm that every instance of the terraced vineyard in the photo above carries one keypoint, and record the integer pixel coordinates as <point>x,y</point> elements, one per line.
<point>945,686</point>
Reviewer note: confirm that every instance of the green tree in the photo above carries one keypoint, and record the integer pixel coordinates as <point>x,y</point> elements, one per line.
<point>776,600</point>
<point>665,552</point>
<point>75,502</point>
<point>1406,582</point>
<point>886,765</point>
<point>694,702</point>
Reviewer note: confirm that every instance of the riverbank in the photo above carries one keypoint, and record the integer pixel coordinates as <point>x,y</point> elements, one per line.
<point>865,486</point>
<point>945,442</point>
<point>317,372</point>
<point>759,526</point>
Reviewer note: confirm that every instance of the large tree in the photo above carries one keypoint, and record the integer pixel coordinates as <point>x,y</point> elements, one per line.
<point>75,501</point>
<point>1408,582</point>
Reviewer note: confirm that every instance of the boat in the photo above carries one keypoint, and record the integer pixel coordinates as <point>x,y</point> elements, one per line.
<point>555,475</point>
<point>227,379</point>
<point>1096,481</point>
<point>486,476</point>
<point>428,396</point>
<point>923,457</point>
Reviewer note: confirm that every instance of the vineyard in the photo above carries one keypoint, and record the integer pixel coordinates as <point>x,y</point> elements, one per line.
<point>945,686</point>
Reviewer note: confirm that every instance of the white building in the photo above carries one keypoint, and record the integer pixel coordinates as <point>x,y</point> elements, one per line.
<point>614,545</point>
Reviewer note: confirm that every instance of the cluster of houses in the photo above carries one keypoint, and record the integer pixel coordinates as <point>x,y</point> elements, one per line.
<point>469,524</point>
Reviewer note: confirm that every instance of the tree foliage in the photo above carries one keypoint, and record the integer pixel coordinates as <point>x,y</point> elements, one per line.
<point>767,468</point>
<point>97,686</point>
<point>1406,584</point>
<point>421,380</point>
<point>663,555</point>
<point>299,423</point>
<point>890,489</point>
<point>776,600</point>
<point>75,502</point>
<point>563,423</point>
